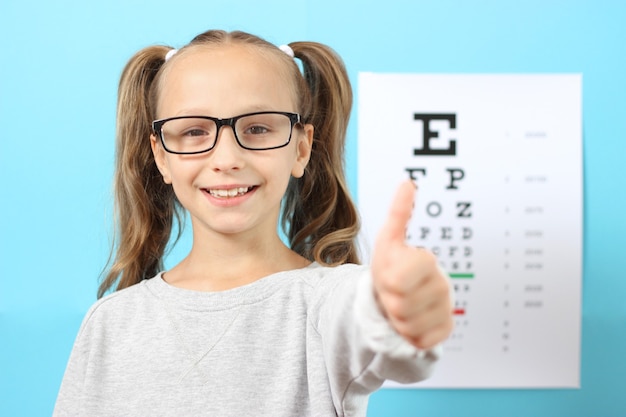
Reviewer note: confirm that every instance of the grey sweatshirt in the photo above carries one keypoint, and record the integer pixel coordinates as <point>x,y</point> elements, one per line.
<point>307,342</point>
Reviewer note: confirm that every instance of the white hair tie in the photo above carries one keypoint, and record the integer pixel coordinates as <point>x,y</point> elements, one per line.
<point>170,54</point>
<point>287,49</point>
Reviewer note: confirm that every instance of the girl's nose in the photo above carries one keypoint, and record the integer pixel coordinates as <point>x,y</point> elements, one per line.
<point>227,154</point>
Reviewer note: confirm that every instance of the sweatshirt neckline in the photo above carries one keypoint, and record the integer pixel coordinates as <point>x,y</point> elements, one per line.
<point>226,299</point>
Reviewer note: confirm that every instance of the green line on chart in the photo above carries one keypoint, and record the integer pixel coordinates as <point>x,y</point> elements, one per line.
<point>461,275</point>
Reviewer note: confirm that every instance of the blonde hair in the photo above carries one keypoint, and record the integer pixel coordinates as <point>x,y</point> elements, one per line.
<point>318,215</point>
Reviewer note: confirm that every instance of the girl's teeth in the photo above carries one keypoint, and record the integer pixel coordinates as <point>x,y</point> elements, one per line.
<point>233,192</point>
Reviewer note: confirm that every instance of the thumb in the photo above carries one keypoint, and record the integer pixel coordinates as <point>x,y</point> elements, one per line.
<point>394,229</point>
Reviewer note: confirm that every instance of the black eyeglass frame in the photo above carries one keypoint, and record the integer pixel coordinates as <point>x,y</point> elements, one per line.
<point>157,128</point>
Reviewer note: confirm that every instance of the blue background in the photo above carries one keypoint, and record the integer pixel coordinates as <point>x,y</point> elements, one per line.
<point>59,67</point>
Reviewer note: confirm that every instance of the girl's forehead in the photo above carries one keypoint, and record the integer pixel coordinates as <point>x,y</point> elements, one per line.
<point>249,52</point>
<point>230,72</point>
<point>232,58</point>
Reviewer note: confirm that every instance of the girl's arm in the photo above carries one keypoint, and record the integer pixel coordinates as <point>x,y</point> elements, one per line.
<point>385,322</point>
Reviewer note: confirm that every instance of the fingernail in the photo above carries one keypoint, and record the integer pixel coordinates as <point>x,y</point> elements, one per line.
<point>414,182</point>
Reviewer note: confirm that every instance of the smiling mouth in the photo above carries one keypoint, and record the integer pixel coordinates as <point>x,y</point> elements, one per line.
<point>230,193</point>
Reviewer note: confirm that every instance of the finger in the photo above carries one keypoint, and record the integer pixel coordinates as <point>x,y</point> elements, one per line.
<point>433,337</point>
<point>407,269</point>
<point>417,326</point>
<point>431,333</point>
<point>405,304</point>
<point>399,214</point>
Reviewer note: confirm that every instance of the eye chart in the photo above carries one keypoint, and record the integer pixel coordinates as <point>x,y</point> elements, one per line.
<point>498,162</point>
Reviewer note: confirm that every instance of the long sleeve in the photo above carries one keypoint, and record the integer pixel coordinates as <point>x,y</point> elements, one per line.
<point>361,349</point>
<point>71,393</point>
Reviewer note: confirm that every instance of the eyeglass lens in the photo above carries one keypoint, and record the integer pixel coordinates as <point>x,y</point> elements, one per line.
<point>257,131</point>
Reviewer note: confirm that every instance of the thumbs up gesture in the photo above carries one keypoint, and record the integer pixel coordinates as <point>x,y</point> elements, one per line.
<point>410,288</point>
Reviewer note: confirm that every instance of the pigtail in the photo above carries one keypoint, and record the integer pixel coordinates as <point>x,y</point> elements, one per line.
<point>145,207</point>
<point>319,216</point>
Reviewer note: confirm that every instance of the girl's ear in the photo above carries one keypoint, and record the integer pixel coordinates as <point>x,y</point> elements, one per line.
<point>159,158</point>
<point>303,150</point>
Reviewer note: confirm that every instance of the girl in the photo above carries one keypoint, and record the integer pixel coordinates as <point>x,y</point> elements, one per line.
<point>229,129</point>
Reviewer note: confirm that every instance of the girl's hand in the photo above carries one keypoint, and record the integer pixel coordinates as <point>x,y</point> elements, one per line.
<point>410,288</point>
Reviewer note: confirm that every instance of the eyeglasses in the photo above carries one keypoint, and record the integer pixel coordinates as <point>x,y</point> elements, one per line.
<point>253,131</point>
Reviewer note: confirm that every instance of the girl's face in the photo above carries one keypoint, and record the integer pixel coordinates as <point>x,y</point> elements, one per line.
<point>230,190</point>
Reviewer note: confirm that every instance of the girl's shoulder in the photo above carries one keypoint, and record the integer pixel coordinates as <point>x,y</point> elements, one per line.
<point>117,306</point>
<point>327,279</point>
<point>124,296</point>
<point>319,274</point>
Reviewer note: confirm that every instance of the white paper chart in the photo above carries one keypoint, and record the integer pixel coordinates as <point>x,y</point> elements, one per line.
<point>498,162</point>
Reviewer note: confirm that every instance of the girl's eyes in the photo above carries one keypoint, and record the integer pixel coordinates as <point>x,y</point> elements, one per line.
<point>256,130</point>
<point>195,132</point>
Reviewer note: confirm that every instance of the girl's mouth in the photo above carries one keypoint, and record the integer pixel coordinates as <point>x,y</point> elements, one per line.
<point>229,193</point>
